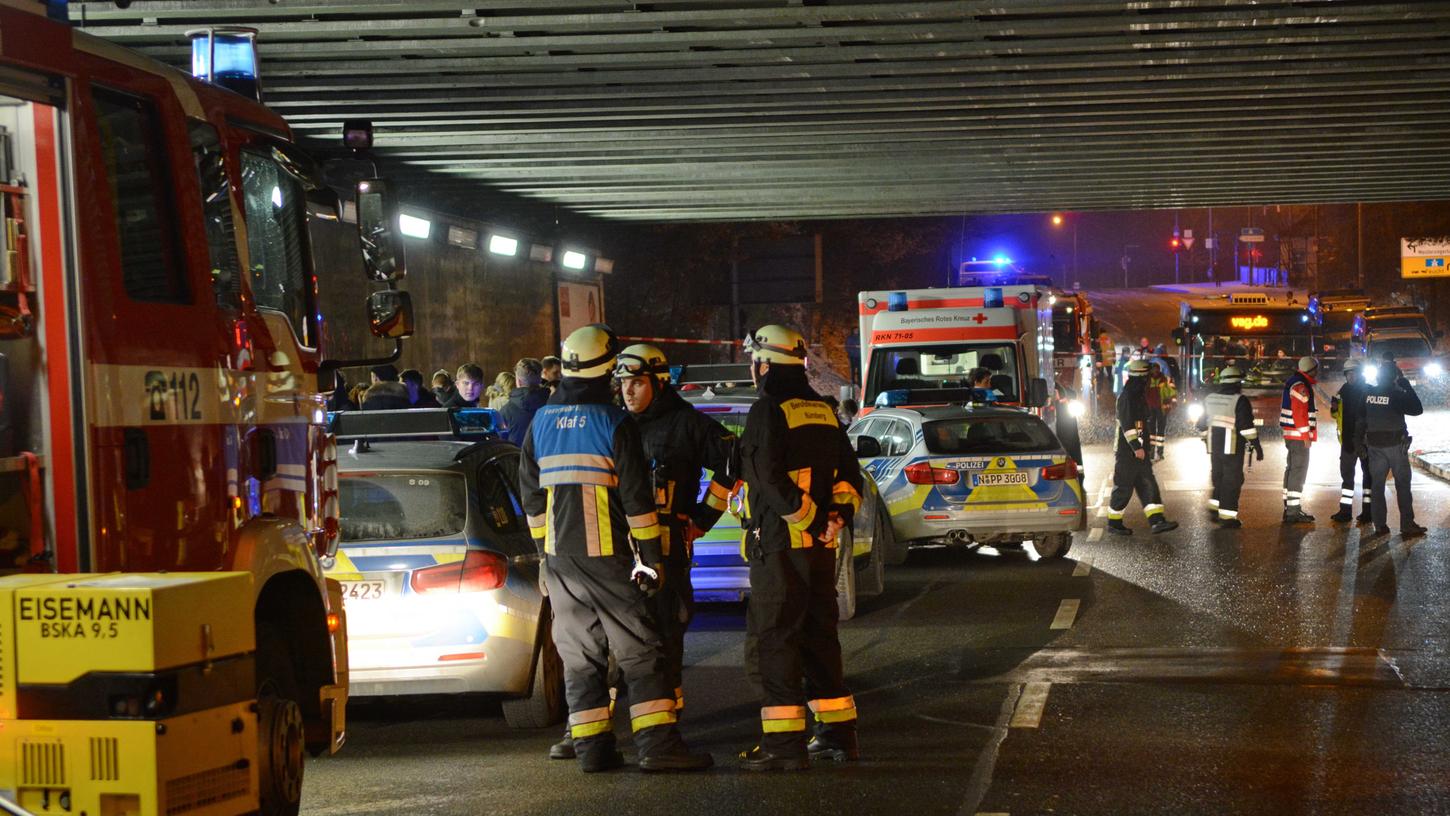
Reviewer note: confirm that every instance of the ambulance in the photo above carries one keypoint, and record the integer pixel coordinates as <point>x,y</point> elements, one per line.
<point>919,346</point>
<point>161,347</point>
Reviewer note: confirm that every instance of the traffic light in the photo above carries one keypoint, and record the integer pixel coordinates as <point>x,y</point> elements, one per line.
<point>1175,244</point>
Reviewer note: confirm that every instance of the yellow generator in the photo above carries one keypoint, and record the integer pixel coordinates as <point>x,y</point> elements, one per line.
<point>128,694</point>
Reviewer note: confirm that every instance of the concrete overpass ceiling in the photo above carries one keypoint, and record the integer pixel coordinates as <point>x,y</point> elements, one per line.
<point>721,110</point>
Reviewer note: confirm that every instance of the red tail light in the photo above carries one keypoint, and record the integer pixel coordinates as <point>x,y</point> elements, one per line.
<point>1066,470</point>
<point>922,473</point>
<point>479,571</point>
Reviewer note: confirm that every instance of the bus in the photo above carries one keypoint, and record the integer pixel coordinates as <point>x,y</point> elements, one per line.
<point>1263,333</point>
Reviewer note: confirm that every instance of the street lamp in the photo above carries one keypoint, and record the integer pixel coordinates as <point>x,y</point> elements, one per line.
<point>1057,221</point>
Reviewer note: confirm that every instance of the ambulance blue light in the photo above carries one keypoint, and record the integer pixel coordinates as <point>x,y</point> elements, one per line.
<point>892,398</point>
<point>992,298</point>
<point>226,57</point>
<point>896,302</point>
<point>1001,260</point>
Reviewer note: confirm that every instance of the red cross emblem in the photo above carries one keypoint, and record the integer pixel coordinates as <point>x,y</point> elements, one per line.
<point>980,318</point>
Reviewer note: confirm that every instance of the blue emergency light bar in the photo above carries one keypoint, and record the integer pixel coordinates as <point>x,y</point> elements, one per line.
<point>896,302</point>
<point>415,423</point>
<point>992,298</point>
<point>227,57</point>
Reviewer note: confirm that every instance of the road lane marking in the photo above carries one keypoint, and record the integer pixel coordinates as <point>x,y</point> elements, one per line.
<point>1031,705</point>
<point>1095,534</point>
<point>1066,613</point>
<point>1084,565</point>
<point>986,764</point>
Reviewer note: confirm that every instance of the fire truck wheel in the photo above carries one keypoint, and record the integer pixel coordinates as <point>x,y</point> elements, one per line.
<point>544,706</point>
<point>279,726</point>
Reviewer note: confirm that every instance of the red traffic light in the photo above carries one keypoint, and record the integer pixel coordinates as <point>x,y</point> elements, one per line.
<point>1175,244</point>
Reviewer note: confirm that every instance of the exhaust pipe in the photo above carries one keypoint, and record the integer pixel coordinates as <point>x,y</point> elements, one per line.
<point>957,537</point>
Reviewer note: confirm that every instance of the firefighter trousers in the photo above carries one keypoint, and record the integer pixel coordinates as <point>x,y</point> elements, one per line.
<point>1295,472</point>
<point>674,608</point>
<point>1228,482</point>
<point>792,652</point>
<point>1133,475</point>
<point>1385,461</point>
<point>1348,459</point>
<point>598,609</point>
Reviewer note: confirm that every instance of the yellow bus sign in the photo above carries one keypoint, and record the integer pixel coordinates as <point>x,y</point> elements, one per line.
<point>1247,322</point>
<point>1425,257</point>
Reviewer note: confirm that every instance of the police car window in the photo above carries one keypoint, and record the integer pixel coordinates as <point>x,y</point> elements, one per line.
<point>276,212</point>
<point>399,506</point>
<point>139,183</point>
<point>896,439</point>
<point>865,427</point>
<point>989,435</point>
<point>496,499</point>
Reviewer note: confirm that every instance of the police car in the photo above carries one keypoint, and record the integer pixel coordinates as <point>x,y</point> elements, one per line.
<point>719,572</point>
<point>972,475</point>
<point>439,573</point>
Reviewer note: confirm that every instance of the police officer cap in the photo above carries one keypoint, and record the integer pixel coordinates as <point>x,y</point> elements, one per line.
<point>1308,365</point>
<point>1230,376</point>
<point>1138,368</point>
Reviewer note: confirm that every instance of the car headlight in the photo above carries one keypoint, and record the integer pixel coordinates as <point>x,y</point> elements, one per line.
<point>1434,370</point>
<point>1195,411</point>
<point>1075,408</point>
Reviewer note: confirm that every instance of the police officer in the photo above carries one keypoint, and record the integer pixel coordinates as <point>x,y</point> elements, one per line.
<point>1299,420</point>
<point>1228,423</point>
<point>1348,410</point>
<point>803,485</point>
<point>585,485</point>
<point>1385,440</point>
<point>1132,469</point>
<point>679,442</point>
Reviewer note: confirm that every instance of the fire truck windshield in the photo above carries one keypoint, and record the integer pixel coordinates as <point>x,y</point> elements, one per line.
<point>938,367</point>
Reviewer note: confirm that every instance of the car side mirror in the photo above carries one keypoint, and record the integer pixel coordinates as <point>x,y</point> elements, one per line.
<point>867,447</point>
<point>390,314</point>
<point>378,233</point>
<point>1037,392</point>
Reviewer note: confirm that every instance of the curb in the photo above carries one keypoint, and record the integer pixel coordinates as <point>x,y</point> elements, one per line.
<point>1435,463</point>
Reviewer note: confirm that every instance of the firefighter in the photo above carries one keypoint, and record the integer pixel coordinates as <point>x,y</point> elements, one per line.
<point>1299,420</point>
<point>1228,421</point>
<point>803,485</point>
<point>679,442</point>
<point>1161,395</point>
<point>1347,408</point>
<point>1132,469</point>
<point>585,485</point>
<point>1385,442</point>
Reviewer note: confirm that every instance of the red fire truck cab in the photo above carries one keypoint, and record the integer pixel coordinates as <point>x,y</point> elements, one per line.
<point>161,343</point>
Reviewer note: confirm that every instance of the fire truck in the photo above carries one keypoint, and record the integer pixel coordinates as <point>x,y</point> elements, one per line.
<point>919,346</point>
<point>162,348</point>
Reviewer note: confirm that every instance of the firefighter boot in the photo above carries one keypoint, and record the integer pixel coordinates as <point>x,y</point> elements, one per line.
<point>838,745</point>
<point>1296,515</point>
<point>1160,524</point>
<point>1365,516</point>
<point>662,750</point>
<point>598,754</point>
<point>564,748</point>
<point>1344,514</point>
<point>1117,527</point>
<point>763,759</point>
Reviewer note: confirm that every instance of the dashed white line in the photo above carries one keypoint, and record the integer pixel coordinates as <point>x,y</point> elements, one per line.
<point>1066,614</point>
<point>1031,705</point>
<point>1095,534</point>
<point>1084,566</point>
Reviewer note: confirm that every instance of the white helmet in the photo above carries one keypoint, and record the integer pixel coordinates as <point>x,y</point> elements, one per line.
<point>642,359</point>
<point>589,352</point>
<point>777,345</point>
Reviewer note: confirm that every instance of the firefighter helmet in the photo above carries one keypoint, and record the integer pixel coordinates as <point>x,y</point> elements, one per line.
<point>778,345</point>
<point>1352,364</point>
<point>641,359</point>
<point>1139,368</point>
<point>1308,365</point>
<point>589,351</point>
<point>1230,376</point>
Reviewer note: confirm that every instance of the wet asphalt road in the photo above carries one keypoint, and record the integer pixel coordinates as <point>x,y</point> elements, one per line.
<point>1269,670</point>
